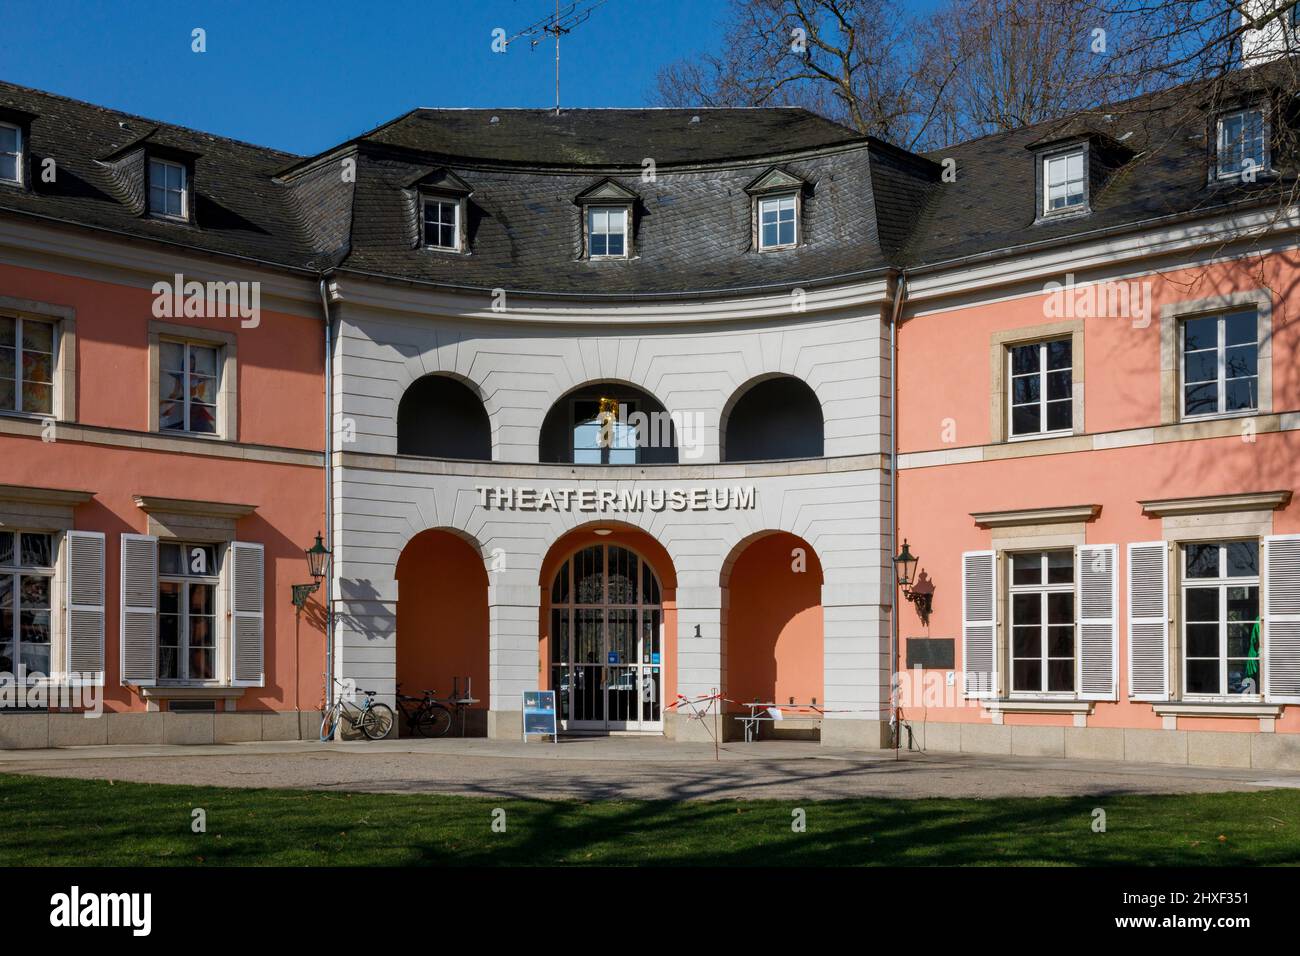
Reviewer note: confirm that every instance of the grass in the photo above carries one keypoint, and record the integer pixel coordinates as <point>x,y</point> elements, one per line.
<point>51,821</point>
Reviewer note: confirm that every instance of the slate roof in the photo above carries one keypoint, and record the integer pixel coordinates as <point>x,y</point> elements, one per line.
<point>609,137</point>
<point>868,206</point>
<point>1167,141</point>
<point>239,207</point>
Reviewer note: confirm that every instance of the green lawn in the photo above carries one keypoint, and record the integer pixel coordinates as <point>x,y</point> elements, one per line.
<point>48,821</point>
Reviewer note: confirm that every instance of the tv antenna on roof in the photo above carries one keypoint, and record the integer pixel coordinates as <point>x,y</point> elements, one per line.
<point>563,21</point>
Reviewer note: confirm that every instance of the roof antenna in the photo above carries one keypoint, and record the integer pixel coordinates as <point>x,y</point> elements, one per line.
<point>562,22</point>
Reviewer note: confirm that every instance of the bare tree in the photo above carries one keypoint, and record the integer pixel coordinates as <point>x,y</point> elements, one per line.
<point>849,60</point>
<point>969,68</point>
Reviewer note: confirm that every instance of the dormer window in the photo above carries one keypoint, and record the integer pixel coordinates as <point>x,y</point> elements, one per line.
<point>607,232</point>
<point>11,153</point>
<point>440,200</point>
<point>607,224</point>
<point>1065,186</point>
<point>168,189</point>
<point>777,197</point>
<point>1242,144</point>
<point>778,221</point>
<point>442,224</point>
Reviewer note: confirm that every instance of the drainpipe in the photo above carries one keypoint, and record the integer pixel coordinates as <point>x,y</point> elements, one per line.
<point>329,488</point>
<point>900,297</point>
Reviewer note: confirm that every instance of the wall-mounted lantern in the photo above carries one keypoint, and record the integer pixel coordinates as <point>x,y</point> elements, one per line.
<point>904,573</point>
<point>318,557</point>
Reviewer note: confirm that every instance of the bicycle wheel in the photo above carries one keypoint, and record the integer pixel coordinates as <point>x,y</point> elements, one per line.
<point>434,722</point>
<point>328,720</point>
<point>377,721</point>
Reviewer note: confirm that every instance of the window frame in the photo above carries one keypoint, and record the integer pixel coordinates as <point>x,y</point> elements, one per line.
<point>1266,166</point>
<point>1009,405</point>
<point>1221,379</point>
<point>1043,589</point>
<point>457,205</point>
<point>631,405</point>
<point>1220,584</point>
<point>184,191</point>
<point>20,319</point>
<point>219,623</point>
<point>20,170</point>
<point>16,571</point>
<point>187,343</point>
<point>1045,211</point>
<point>778,198</point>
<point>589,211</point>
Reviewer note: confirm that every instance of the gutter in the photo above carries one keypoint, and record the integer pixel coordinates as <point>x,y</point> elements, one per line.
<point>900,298</point>
<point>329,488</point>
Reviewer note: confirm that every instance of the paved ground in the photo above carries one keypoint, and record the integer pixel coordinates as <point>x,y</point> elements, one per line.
<point>625,767</point>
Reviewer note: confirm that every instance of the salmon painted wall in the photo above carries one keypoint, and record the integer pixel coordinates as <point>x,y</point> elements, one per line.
<point>650,550</point>
<point>944,373</point>
<point>774,624</point>
<point>442,615</point>
<point>280,400</point>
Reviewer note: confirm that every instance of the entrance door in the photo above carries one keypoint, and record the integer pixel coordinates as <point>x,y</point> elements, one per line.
<point>606,642</point>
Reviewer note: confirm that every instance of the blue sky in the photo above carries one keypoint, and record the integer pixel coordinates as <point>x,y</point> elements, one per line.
<point>303,76</point>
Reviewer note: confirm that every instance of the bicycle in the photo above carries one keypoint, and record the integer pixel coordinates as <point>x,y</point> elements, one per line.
<point>426,715</point>
<point>374,720</point>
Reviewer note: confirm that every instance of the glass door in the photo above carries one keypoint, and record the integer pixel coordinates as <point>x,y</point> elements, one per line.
<point>606,637</point>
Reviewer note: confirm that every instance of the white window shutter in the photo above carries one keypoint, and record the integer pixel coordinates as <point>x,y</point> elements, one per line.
<point>1098,624</point>
<point>1281,642</point>
<point>979,623</point>
<point>246,564</point>
<point>1148,621</point>
<point>84,603</point>
<point>139,609</point>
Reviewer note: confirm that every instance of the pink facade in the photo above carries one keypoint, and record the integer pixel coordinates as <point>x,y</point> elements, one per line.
<point>105,440</point>
<point>1085,486</point>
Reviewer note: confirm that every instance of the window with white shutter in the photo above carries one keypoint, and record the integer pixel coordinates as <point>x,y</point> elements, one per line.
<point>1282,618</point>
<point>979,623</point>
<point>1098,622</point>
<point>139,609</point>
<point>84,607</point>
<point>245,576</point>
<point>1148,621</point>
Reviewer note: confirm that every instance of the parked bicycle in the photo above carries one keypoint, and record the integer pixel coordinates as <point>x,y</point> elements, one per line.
<point>374,720</point>
<point>426,715</point>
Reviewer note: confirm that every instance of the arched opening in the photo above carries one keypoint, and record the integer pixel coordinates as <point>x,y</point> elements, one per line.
<point>442,622</point>
<point>442,417</point>
<point>607,630</point>
<point>775,418</point>
<point>775,628</point>
<point>608,423</point>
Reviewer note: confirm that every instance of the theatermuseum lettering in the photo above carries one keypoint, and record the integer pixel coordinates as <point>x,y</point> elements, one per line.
<point>610,499</point>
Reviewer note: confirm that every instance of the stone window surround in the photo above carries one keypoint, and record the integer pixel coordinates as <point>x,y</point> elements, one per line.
<point>1029,529</point>
<point>203,522</point>
<point>227,387</point>
<point>65,352</point>
<point>45,510</point>
<point>1208,518</point>
<point>1000,343</point>
<point>1171,356</point>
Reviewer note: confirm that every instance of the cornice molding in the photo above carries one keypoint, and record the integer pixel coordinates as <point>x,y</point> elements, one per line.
<point>182,506</point>
<point>1216,504</point>
<point>44,496</point>
<point>1036,516</point>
